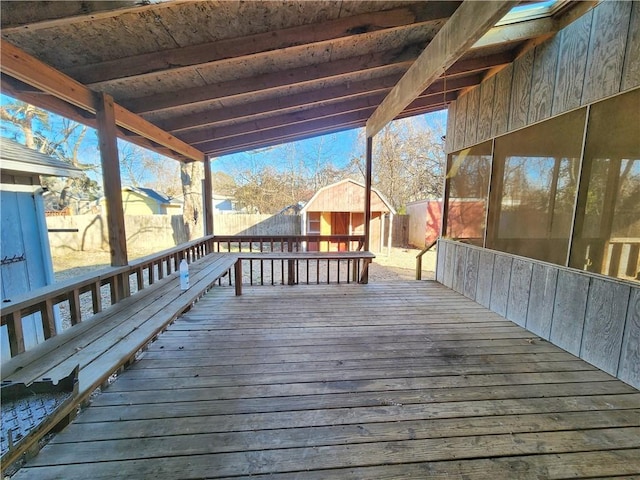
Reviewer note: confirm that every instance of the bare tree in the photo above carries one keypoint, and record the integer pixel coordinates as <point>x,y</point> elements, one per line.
<point>62,139</point>
<point>408,161</point>
<point>191,175</point>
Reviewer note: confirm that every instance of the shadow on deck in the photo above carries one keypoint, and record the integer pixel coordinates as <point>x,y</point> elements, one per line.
<point>397,380</point>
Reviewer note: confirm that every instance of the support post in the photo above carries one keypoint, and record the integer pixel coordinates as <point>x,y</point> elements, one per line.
<point>111,178</point>
<point>207,193</point>
<point>381,241</point>
<point>364,278</point>
<point>367,194</point>
<point>390,234</point>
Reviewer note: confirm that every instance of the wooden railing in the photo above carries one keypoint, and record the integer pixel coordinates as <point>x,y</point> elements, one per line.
<point>273,269</point>
<point>121,282</point>
<point>288,243</point>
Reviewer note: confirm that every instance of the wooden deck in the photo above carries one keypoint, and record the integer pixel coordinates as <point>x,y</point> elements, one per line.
<point>398,380</point>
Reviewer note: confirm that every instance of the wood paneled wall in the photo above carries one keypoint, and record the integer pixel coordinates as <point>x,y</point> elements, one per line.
<point>591,316</point>
<point>595,57</point>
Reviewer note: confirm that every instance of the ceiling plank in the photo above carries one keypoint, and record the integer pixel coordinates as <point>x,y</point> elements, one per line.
<point>16,14</point>
<point>22,66</point>
<point>469,22</point>
<point>177,59</point>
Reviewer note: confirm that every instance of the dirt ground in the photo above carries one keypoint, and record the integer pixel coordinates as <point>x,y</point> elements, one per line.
<point>400,265</point>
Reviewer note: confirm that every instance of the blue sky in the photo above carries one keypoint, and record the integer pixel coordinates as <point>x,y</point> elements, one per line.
<point>338,148</point>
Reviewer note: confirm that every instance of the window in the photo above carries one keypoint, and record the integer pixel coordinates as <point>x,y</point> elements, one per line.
<point>313,227</point>
<point>607,231</point>
<point>556,192</point>
<point>536,176</point>
<point>468,178</point>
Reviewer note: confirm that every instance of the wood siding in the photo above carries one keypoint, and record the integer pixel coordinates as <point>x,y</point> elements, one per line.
<point>596,56</point>
<point>345,196</point>
<point>591,316</point>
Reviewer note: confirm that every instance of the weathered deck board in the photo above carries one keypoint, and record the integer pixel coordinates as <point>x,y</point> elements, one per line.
<point>405,380</point>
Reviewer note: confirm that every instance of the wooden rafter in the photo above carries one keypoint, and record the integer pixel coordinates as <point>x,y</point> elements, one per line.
<point>314,127</point>
<point>262,142</point>
<point>277,80</point>
<point>22,66</point>
<point>281,104</point>
<point>362,103</point>
<point>469,22</point>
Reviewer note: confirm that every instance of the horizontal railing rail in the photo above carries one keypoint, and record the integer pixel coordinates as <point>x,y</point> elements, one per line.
<point>121,282</point>
<point>294,268</point>
<point>279,270</point>
<point>288,243</point>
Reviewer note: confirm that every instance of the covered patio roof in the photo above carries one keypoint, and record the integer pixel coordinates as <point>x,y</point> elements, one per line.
<point>193,78</point>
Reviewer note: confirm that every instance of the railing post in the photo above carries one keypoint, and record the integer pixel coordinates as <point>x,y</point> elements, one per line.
<point>96,297</point>
<point>16,335</point>
<point>74,307</point>
<point>48,319</point>
<point>238,274</point>
<point>291,266</point>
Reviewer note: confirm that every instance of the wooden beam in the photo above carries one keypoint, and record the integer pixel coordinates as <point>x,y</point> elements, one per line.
<point>105,114</point>
<point>207,193</point>
<point>242,145</point>
<point>480,64</point>
<point>289,40</point>
<point>367,203</point>
<point>22,66</point>
<point>389,59</point>
<point>316,127</point>
<point>368,103</point>
<point>470,21</point>
<point>279,103</point>
<point>364,104</point>
<point>9,86</point>
<point>383,61</point>
<point>349,95</point>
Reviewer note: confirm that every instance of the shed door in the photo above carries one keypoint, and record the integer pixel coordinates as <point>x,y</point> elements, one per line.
<point>339,226</point>
<point>23,266</point>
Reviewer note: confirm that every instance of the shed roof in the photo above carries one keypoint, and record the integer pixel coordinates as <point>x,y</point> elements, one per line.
<point>223,77</point>
<point>346,196</point>
<point>161,198</point>
<point>18,158</point>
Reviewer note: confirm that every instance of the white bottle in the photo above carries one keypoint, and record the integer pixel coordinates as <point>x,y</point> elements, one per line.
<point>184,275</point>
